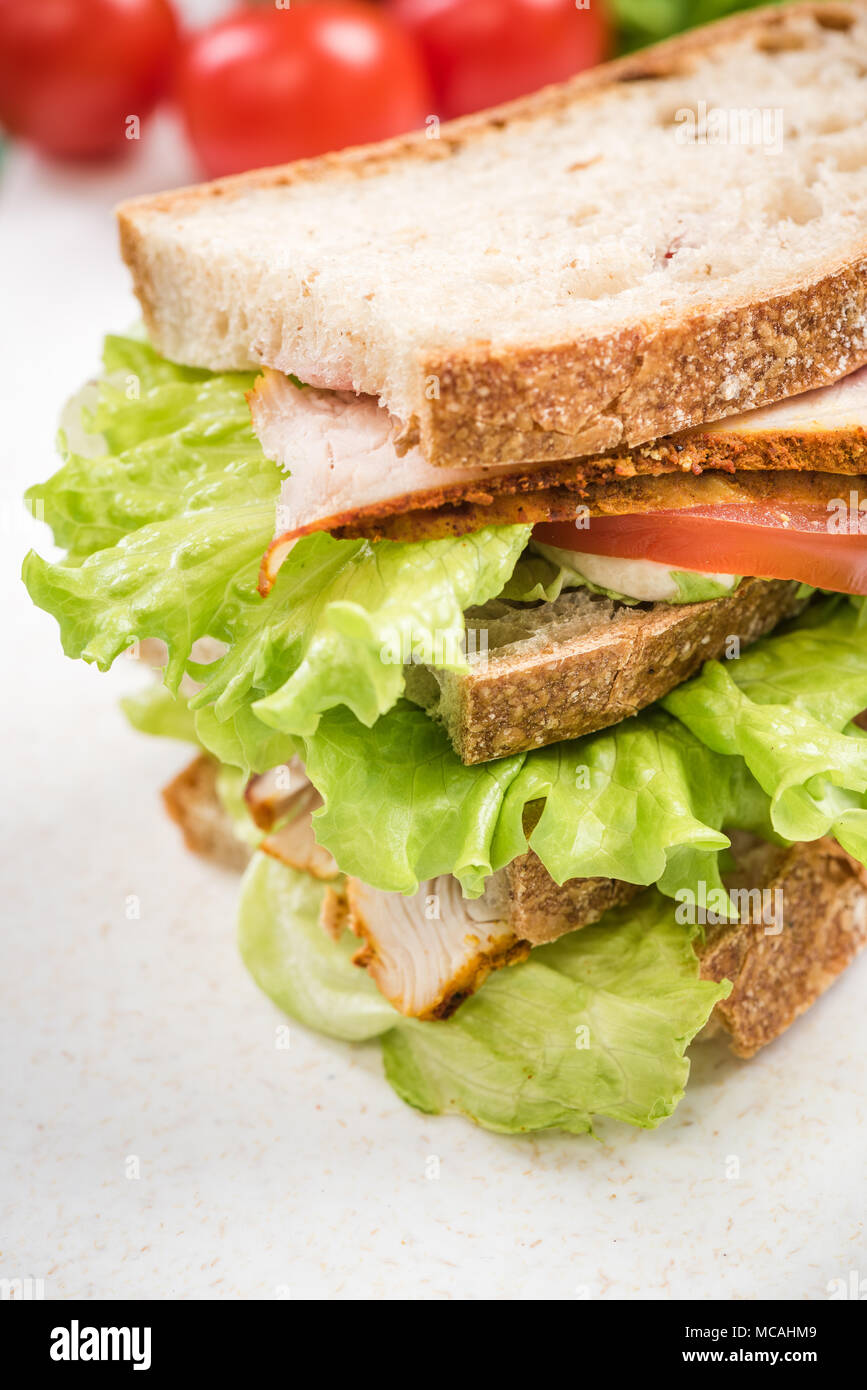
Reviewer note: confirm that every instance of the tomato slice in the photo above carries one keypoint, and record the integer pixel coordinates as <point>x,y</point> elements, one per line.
<point>772,542</point>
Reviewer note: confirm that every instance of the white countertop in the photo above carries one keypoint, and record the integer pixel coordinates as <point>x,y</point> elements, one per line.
<point>293,1173</point>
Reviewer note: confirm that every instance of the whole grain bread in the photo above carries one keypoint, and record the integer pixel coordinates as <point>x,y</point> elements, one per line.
<point>581,663</point>
<point>542,910</point>
<point>581,269</point>
<point>776,974</point>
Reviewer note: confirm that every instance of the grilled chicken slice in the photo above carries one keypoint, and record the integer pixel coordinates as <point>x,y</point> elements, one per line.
<point>270,796</point>
<point>429,952</point>
<point>283,797</point>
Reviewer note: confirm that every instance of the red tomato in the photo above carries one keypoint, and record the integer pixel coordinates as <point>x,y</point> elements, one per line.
<point>268,86</point>
<point>73,71</point>
<point>798,542</point>
<point>481,52</point>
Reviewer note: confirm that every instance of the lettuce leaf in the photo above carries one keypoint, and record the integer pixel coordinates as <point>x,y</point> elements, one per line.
<point>640,22</point>
<point>400,805</point>
<point>762,743</point>
<point>231,782</point>
<point>167,505</point>
<point>167,526</point>
<point>643,801</point>
<point>155,710</point>
<point>694,587</point>
<point>785,707</point>
<point>178,580</point>
<point>345,616</point>
<point>154,442</point>
<point>290,957</point>
<point>242,740</point>
<point>596,1024</point>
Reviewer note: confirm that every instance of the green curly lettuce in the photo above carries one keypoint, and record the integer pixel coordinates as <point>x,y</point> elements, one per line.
<point>166,505</point>
<point>645,802</point>
<point>595,1025</point>
<point>345,616</point>
<point>155,710</point>
<point>786,708</point>
<point>763,743</point>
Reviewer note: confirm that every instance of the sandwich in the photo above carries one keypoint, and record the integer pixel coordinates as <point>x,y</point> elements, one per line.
<point>491,509</point>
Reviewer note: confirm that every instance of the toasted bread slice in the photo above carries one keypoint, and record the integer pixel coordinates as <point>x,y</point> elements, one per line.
<point>583,269</point>
<point>781,961</point>
<point>541,910</point>
<point>582,663</point>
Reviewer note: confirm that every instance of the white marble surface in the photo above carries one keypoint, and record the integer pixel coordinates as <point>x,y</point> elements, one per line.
<point>270,1173</point>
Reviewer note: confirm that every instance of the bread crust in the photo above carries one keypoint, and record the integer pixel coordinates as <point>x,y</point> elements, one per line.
<point>542,910</point>
<point>561,400</point>
<point>523,698</point>
<point>192,801</point>
<point>776,977</point>
<point>624,388</point>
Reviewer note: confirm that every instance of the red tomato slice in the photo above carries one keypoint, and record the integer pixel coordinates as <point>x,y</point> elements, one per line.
<point>770,542</point>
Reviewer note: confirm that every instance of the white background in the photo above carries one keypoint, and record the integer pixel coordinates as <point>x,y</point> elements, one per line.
<point>269,1173</point>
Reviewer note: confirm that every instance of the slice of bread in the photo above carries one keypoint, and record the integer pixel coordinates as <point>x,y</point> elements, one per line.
<point>660,242</point>
<point>562,669</point>
<point>779,968</point>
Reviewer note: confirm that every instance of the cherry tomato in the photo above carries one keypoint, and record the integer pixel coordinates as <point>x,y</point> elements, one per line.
<point>73,71</point>
<point>799,542</point>
<point>272,85</point>
<point>481,52</point>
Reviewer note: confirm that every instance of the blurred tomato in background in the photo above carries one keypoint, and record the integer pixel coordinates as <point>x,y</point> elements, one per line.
<point>72,71</point>
<point>269,85</point>
<point>284,79</point>
<point>481,52</point>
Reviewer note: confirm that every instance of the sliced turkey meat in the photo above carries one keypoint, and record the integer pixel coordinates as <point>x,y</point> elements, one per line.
<point>295,844</point>
<point>270,795</point>
<point>343,455</point>
<point>350,474</point>
<point>840,406</point>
